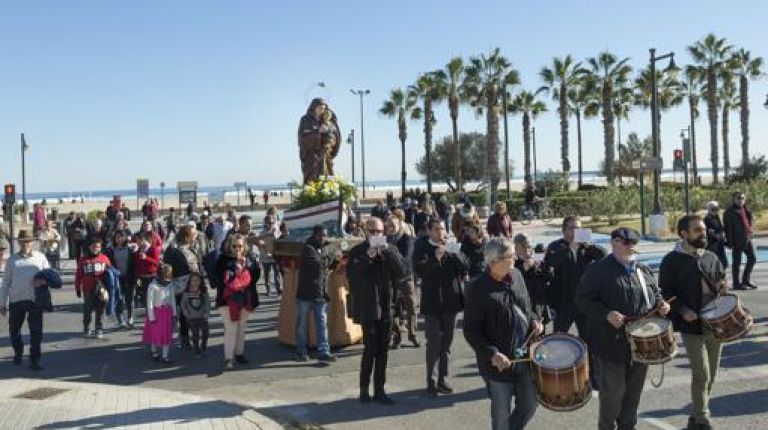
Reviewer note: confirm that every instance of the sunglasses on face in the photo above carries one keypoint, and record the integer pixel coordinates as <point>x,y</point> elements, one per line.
<point>375,231</point>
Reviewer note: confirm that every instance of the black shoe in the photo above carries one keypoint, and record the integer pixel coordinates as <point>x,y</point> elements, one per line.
<point>415,342</point>
<point>750,285</point>
<point>432,392</point>
<point>739,287</point>
<point>383,398</point>
<point>241,359</point>
<point>364,396</point>
<point>444,387</point>
<point>35,366</point>
<point>17,360</point>
<point>692,424</point>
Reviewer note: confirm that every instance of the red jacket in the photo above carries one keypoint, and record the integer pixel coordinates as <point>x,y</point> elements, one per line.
<point>90,269</point>
<point>499,225</point>
<point>237,281</point>
<point>148,265</point>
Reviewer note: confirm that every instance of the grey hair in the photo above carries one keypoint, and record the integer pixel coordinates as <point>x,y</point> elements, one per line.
<point>496,249</point>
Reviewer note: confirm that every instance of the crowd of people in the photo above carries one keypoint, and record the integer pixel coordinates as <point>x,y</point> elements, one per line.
<point>508,289</point>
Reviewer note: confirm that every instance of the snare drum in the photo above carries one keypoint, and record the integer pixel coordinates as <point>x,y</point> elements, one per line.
<point>560,366</point>
<point>727,318</point>
<point>651,340</point>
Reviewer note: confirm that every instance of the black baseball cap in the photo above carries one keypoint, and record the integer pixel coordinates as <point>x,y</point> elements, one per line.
<point>625,233</point>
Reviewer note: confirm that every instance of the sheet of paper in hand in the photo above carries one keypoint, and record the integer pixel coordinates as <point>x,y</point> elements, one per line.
<point>378,241</point>
<point>582,235</point>
<point>453,247</point>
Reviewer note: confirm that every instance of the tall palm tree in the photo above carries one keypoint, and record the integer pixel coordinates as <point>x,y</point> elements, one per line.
<point>667,88</point>
<point>747,68</point>
<point>529,106</point>
<point>608,72</point>
<point>487,76</point>
<point>711,53</point>
<point>578,99</point>
<point>692,91</point>
<point>558,78</point>
<point>401,105</point>
<point>451,81</point>
<point>729,99</point>
<point>623,99</point>
<point>429,92</point>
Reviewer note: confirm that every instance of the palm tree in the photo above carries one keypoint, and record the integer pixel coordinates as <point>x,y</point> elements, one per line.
<point>558,78</point>
<point>623,99</point>
<point>578,99</point>
<point>692,91</point>
<point>451,81</point>
<point>527,104</point>
<point>486,77</point>
<point>429,92</point>
<point>711,53</point>
<point>607,72</point>
<point>401,105</point>
<point>668,91</point>
<point>729,99</point>
<point>746,68</point>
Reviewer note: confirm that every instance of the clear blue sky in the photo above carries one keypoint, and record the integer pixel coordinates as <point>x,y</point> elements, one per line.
<point>108,91</point>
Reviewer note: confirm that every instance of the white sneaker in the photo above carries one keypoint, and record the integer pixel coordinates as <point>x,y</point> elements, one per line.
<point>99,334</point>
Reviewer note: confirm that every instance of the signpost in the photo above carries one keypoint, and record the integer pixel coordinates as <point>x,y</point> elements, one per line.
<point>238,186</point>
<point>644,165</point>
<point>187,192</point>
<point>142,190</point>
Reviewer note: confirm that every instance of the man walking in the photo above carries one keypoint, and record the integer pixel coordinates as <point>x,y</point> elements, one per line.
<point>442,274</point>
<point>737,221</point>
<point>17,297</point>
<point>375,271</point>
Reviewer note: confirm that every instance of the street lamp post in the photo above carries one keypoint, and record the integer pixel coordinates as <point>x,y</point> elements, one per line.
<point>362,93</point>
<point>24,148</point>
<point>533,133</point>
<point>506,139</point>
<point>686,159</point>
<point>655,122</point>
<point>351,142</point>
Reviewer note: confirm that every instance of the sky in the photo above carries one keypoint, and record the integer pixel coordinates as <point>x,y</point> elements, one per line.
<point>108,92</point>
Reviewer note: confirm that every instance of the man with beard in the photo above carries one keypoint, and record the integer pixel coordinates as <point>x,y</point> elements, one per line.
<point>695,277</point>
<point>737,221</point>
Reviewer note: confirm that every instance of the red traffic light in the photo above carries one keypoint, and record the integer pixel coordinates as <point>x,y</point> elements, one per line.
<point>10,189</point>
<point>678,154</point>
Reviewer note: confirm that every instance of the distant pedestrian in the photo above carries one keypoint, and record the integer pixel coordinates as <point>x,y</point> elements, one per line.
<point>737,221</point>
<point>17,296</point>
<point>49,243</point>
<point>500,224</point>
<point>171,222</point>
<point>161,311</point>
<point>252,198</point>
<point>268,261</point>
<point>265,196</point>
<point>90,286</point>
<point>196,308</point>
<point>715,232</point>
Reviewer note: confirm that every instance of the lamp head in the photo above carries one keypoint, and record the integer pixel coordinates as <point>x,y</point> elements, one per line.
<point>672,68</point>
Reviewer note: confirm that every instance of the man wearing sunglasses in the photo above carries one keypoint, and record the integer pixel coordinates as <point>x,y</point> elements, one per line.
<point>737,221</point>
<point>612,291</point>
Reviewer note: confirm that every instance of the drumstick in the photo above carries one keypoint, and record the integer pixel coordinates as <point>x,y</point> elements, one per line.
<point>652,312</point>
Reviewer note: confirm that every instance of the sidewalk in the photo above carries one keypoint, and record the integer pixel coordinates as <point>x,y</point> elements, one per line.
<point>50,404</point>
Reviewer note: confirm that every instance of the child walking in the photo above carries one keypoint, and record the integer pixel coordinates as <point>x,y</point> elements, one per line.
<point>161,310</point>
<point>195,306</point>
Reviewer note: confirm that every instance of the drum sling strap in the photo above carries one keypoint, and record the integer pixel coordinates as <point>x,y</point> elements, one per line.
<point>644,287</point>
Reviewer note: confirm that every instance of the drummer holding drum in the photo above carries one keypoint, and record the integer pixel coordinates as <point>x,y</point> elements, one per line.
<point>696,277</point>
<point>613,292</point>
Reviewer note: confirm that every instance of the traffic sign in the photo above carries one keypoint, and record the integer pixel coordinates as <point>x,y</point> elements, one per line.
<point>648,163</point>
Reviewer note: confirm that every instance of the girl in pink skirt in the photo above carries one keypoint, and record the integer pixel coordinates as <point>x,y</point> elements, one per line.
<point>161,311</point>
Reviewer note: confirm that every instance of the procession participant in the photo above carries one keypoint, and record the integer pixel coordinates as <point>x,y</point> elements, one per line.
<point>146,261</point>
<point>78,234</point>
<point>473,246</point>
<point>404,224</point>
<point>497,320</point>
<point>375,271</point>
<point>171,221</point>
<point>17,297</point>
<point>49,243</point>
<point>499,224</point>
<point>66,229</point>
<point>161,311</point>
<point>715,232</point>
<point>268,262</point>
<point>534,274</point>
<point>156,240</point>
<point>695,277</point>
<point>184,259</point>
<point>121,257</point>
<point>442,274</point>
<point>423,216</point>
<point>405,301</point>
<point>463,219</point>
<point>613,291</point>
<point>89,283</point>
<point>312,293</point>
<point>737,221</point>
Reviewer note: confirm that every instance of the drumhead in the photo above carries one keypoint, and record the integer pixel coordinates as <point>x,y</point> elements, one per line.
<point>558,352</point>
<point>719,307</point>
<point>648,327</point>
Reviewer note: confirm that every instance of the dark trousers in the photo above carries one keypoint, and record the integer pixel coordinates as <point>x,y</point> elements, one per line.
<point>127,289</point>
<point>523,389</point>
<point>438,329</point>
<point>405,315</point>
<point>621,387</point>
<point>183,324</point>
<point>719,249</point>
<point>18,312</point>
<point>376,345</point>
<point>272,270</point>
<point>92,304</point>
<point>748,249</point>
<point>141,293</point>
<point>199,329</point>
<point>565,316</point>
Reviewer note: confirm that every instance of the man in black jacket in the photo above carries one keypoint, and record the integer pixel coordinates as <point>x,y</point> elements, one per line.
<point>737,221</point>
<point>497,320</point>
<point>311,293</point>
<point>694,276</point>
<point>442,274</point>
<point>612,290</point>
<point>374,271</point>
<point>405,302</point>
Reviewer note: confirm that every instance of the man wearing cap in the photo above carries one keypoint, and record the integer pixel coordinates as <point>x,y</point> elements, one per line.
<point>612,291</point>
<point>17,298</point>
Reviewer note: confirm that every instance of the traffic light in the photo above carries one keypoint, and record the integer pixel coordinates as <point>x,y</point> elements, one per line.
<point>10,194</point>
<point>678,163</point>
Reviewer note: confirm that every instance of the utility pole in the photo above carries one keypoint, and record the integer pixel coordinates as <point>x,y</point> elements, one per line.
<point>362,93</point>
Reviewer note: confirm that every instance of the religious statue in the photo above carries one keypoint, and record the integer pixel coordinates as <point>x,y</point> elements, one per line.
<point>319,140</point>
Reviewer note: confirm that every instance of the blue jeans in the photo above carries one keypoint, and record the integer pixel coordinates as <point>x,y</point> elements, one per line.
<point>501,400</point>
<point>321,326</point>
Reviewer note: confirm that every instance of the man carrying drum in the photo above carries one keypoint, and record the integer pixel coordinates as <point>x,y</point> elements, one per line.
<point>695,277</point>
<point>613,291</point>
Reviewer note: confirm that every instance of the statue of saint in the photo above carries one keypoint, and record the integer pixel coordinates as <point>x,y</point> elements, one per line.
<point>319,140</point>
